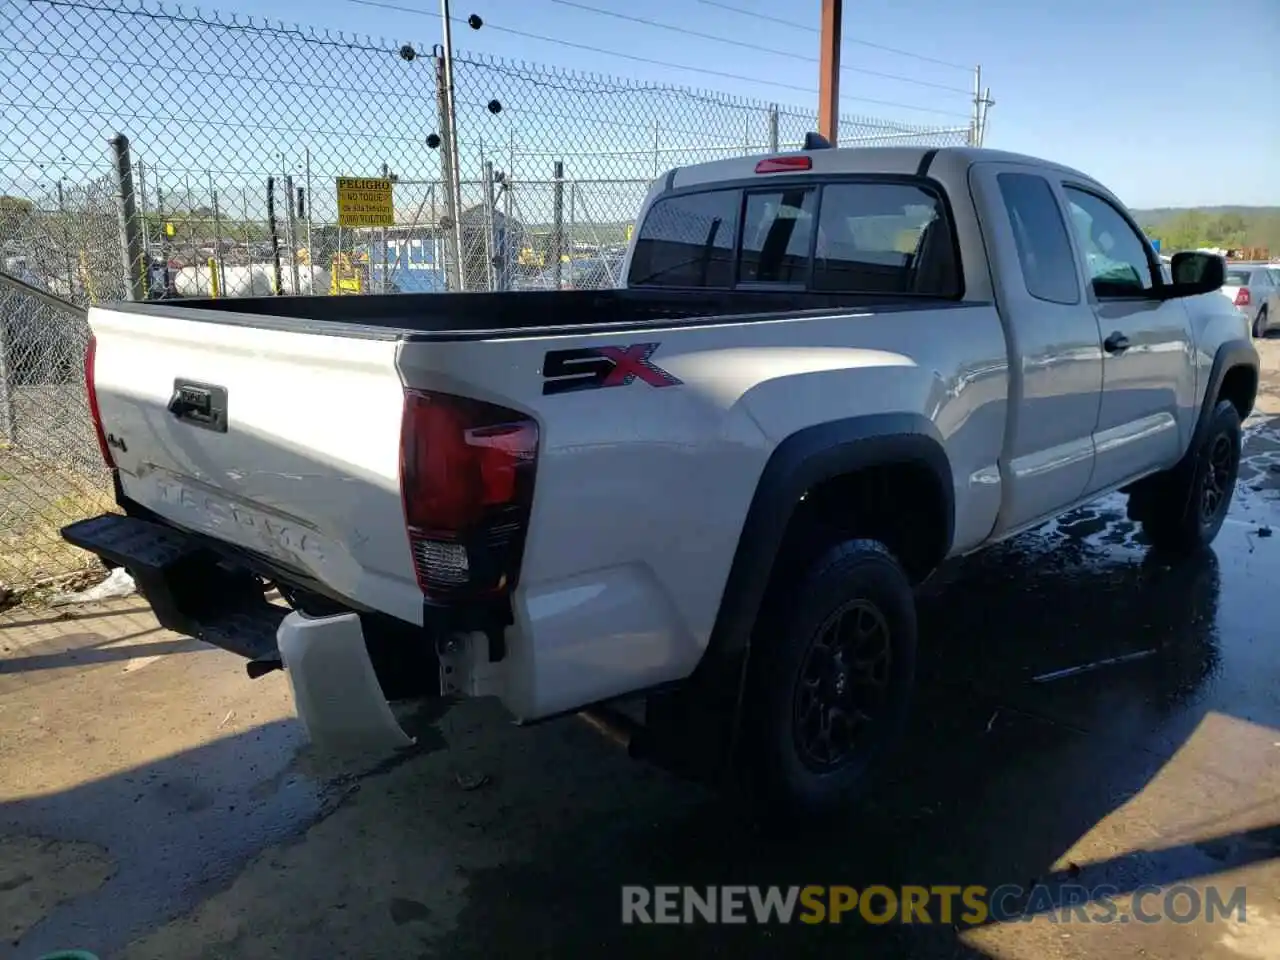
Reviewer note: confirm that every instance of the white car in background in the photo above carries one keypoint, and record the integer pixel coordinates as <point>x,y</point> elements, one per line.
<point>1254,288</point>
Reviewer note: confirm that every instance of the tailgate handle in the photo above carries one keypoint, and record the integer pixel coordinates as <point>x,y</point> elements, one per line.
<point>202,405</point>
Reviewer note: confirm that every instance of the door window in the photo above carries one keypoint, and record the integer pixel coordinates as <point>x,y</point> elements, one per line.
<point>1116,255</point>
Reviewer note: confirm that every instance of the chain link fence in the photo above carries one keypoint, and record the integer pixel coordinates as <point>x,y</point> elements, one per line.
<point>224,183</point>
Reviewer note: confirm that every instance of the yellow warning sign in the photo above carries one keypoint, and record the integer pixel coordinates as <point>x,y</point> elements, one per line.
<point>365,203</point>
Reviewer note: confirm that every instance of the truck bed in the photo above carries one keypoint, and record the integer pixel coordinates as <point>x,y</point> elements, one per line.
<point>463,316</point>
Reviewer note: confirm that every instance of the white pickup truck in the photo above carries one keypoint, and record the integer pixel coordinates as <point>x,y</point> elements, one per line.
<point>830,371</point>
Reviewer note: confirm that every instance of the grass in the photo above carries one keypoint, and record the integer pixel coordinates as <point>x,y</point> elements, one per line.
<point>37,499</point>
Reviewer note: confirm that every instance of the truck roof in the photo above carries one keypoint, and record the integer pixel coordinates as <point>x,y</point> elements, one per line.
<point>899,160</point>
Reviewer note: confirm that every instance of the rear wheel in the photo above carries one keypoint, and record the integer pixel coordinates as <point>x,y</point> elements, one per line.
<point>832,670</point>
<point>1183,510</point>
<point>1260,323</point>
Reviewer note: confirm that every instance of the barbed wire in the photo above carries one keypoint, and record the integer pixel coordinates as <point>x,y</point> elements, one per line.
<point>249,27</point>
<point>652,61</point>
<point>844,38</point>
<point>745,45</point>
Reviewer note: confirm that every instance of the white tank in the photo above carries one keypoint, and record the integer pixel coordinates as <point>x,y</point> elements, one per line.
<point>249,281</point>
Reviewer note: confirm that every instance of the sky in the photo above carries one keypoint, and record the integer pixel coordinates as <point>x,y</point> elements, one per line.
<point>1169,104</point>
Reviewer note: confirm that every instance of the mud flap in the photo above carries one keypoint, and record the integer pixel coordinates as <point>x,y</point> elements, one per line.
<point>335,689</point>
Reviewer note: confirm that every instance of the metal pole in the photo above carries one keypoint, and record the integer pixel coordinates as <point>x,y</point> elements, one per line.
<point>452,198</point>
<point>146,230</point>
<point>130,239</point>
<point>275,237</point>
<point>982,124</point>
<point>452,124</point>
<point>293,234</point>
<point>66,242</point>
<point>435,234</point>
<point>490,246</point>
<point>573,222</point>
<point>8,429</point>
<point>164,236</point>
<point>311,251</point>
<point>829,71</point>
<point>248,239</point>
<point>655,148</point>
<point>385,286</point>
<point>508,233</point>
<point>191,230</point>
<point>510,256</point>
<point>217,235</point>
<point>975,122</point>
<point>557,217</point>
<point>773,128</point>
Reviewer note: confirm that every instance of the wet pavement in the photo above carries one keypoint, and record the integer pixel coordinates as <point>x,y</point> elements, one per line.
<point>154,803</point>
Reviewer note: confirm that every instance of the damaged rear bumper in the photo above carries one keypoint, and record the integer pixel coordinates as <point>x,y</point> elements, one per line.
<point>222,598</point>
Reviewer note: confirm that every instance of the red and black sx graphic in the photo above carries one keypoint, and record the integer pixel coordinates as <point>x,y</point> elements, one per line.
<point>590,368</point>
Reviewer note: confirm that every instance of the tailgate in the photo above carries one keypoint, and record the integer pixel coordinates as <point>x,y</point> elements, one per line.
<point>284,443</point>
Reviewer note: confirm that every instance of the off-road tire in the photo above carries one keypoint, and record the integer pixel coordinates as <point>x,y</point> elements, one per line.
<point>837,653</point>
<point>1183,510</point>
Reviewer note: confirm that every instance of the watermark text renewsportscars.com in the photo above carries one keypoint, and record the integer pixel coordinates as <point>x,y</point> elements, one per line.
<point>962,905</point>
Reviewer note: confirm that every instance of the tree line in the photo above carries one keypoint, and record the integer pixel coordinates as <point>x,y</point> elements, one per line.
<point>1229,229</point>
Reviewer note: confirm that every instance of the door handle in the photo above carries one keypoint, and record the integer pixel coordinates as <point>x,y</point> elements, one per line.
<point>199,404</point>
<point>1116,343</point>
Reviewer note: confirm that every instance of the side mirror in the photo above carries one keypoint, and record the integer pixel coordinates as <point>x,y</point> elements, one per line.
<point>1196,273</point>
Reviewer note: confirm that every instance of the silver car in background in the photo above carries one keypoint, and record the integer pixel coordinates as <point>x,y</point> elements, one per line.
<point>1254,288</point>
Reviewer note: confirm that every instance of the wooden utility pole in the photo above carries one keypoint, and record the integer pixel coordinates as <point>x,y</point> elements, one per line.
<point>829,70</point>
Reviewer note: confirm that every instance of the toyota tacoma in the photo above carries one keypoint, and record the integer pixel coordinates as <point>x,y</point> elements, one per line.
<point>713,491</point>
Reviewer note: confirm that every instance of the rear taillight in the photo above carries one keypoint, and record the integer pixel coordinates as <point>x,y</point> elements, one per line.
<point>1243,298</point>
<point>91,390</point>
<point>466,479</point>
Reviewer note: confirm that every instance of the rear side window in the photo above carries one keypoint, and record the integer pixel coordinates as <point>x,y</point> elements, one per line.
<point>776,230</point>
<point>1044,249</point>
<point>1237,278</point>
<point>884,238</point>
<point>688,241</point>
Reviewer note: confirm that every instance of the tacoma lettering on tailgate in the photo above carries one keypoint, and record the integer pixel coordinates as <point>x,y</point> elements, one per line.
<point>290,542</point>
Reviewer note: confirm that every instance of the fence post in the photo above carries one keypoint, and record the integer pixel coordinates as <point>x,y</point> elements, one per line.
<point>130,234</point>
<point>7,431</point>
<point>164,237</point>
<point>66,242</point>
<point>275,237</point>
<point>508,234</point>
<point>217,233</point>
<point>293,236</point>
<point>490,229</point>
<point>311,250</point>
<point>146,231</point>
<point>453,243</point>
<point>773,128</point>
<point>557,217</point>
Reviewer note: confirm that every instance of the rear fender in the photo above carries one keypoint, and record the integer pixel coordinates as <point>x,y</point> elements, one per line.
<point>693,728</point>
